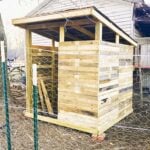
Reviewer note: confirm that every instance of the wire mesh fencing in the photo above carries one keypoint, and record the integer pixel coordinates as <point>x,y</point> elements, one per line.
<point>133,132</point>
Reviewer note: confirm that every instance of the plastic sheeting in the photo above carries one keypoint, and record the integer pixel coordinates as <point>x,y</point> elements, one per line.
<point>142,19</point>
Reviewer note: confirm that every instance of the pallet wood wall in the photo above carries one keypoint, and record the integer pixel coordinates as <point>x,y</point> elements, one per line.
<point>116,82</point>
<point>78,82</point>
<point>95,83</point>
<point>91,83</point>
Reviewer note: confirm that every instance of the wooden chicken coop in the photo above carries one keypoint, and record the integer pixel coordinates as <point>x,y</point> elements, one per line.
<point>85,76</point>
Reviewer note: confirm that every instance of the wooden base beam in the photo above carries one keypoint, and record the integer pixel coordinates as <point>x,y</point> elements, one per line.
<point>64,124</point>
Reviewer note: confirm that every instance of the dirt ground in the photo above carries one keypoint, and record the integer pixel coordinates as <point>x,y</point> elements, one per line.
<point>132,133</point>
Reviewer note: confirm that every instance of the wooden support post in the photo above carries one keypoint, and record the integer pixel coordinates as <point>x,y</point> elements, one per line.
<point>53,43</point>
<point>28,71</point>
<point>62,34</point>
<point>117,39</point>
<point>99,37</point>
<point>99,31</point>
<point>53,70</point>
<point>141,85</point>
<point>141,78</point>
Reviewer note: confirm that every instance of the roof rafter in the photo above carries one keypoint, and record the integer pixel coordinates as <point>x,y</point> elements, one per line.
<point>85,31</point>
<point>90,11</point>
<point>67,34</point>
<point>46,25</point>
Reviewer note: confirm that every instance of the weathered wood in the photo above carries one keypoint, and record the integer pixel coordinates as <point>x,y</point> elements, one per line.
<point>65,123</point>
<point>41,96</point>
<point>44,66</point>
<point>57,24</point>
<point>61,15</point>
<point>94,80</point>
<point>113,27</point>
<point>62,34</point>
<point>103,127</point>
<point>87,83</point>
<point>98,31</point>
<point>70,36</point>
<point>83,30</point>
<point>76,78</point>
<point>41,54</point>
<point>117,39</point>
<point>115,88</point>
<point>42,48</point>
<point>28,71</point>
<point>47,100</point>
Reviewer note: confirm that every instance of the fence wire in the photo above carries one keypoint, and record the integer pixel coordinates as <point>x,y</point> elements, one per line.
<point>131,133</point>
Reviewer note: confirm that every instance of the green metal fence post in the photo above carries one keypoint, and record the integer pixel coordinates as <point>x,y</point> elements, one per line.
<point>35,106</point>
<point>5,94</point>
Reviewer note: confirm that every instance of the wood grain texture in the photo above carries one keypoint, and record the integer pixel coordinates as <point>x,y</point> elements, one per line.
<point>78,76</point>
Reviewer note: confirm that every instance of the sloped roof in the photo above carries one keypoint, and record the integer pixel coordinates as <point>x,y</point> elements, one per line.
<point>50,6</point>
<point>74,13</point>
<point>135,1</point>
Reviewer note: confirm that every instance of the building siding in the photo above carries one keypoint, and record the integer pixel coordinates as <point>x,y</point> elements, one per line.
<point>120,12</point>
<point>142,53</point>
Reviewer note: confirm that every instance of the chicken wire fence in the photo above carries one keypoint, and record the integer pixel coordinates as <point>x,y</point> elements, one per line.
<point>130,133</point>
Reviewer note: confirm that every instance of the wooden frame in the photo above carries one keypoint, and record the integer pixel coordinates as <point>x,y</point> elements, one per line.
<point>75,13</point>
<point>64,124</point>
<point>94,83</point>
<point>28,71</point>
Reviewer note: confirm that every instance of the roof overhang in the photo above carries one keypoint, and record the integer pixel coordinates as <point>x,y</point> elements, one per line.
<point>72,14</point>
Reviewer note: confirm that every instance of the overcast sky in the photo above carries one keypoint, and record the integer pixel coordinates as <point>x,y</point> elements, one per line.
<point>147,1</point>
<point>11,9</point>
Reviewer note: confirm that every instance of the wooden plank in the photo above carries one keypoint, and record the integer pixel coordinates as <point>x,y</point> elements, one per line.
<point>43,47</point>
<point>81,97</point>
<point>78,89</point>
<point>113,27</point>
<point>41,96</point>
<point>81,47</point>
<point>65,98</point>
<point>28,71</point>
<point>62,34</point>
<point>72,76</point>
<point>79,119</point>
<point>79,69</point>
<point>98,31</point>
<point>54,16</point>
<point>41,54</point>
<point>44,66</point>
<point>117,103</point>
<point>54,24</point>
<point>104,126</point>
<point>78,43</point>
<point>84,31</point>
<point>117,39</point>
<point>81,109</point>
<point>64,123</point>
<point>74,13</point>
<point>70,36</point>
<point>47,100</point>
